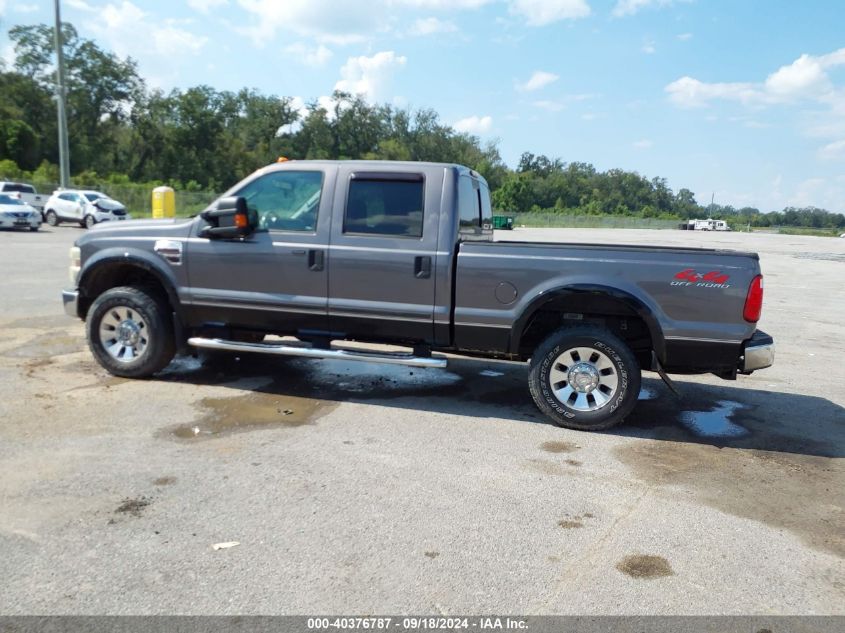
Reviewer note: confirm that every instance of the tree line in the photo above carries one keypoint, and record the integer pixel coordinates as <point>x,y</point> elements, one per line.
<point>201,139</point>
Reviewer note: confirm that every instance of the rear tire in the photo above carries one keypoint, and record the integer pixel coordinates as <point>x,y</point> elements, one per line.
<point>51,218</point>
<point>130,332</point>
<point>585,378</point>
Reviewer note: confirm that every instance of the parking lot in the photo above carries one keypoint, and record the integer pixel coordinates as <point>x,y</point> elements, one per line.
<point>363,489</point>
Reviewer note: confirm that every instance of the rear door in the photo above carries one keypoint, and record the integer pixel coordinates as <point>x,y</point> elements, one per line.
<point>383,252</point>
<point>276,278</point>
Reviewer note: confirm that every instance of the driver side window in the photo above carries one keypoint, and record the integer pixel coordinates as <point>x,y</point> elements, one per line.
<point>285,200</point>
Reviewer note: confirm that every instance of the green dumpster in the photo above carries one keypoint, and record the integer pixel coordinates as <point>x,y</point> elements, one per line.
<point>503,222</point>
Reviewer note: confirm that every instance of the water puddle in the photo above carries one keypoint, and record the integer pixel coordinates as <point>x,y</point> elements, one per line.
<point>48,344</point>
<point>645,566</point>
<point>559,447</point>
<point>363,378</point>
<point>647,393</point>
<point>715,423</point>
<point>253,410</point>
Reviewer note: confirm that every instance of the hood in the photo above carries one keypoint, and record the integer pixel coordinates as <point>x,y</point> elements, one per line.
<point>168,228</point>
<point>107,204</point>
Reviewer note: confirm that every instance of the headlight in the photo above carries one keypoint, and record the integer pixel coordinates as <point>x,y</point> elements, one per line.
<point>75,264</point>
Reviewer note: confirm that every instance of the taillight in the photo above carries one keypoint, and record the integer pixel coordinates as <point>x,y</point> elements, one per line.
<point>754,300</point>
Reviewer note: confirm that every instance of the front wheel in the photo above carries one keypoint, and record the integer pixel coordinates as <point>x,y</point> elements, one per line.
<point>90,221</point>
<point>52,218</point>
<point>34,228</point>
<point>130,332</point>
<point>584,377</point>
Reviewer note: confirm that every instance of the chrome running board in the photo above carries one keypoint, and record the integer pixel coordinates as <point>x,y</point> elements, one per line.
<point>288,349</point>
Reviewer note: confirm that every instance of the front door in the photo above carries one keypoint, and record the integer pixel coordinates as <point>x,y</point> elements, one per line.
<point>277,278</point>
<point>383,254</point>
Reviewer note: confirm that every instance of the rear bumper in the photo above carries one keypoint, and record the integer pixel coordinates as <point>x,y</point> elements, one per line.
<point>70,299</point>
<point>758,352</point>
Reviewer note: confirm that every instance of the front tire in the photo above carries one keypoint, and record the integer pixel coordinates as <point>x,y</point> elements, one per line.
<point>130,332</point>
<point>34,228</point>
<point>585,378</point>
<point>51,218</point>
<point>89,222</point>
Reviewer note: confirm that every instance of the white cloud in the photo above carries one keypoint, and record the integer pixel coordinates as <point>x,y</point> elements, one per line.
<point>625,8</point>
<point>431,26</point>
<point>542,12</point>
<point>805,78</point>
<point>474,124</point>
<point>79,5</point>
<point>7,53</point>
<point>23,8</point>
<point>368,76</point>
<point>442,4</point>
<point>833,151</point>
<point>648,47</point>
<point>159,45</point>
<point>806,193</point>
<point>692,93</point>
<point>684,37</point>
<point>206,6</point>
<point>644,144</point>
<point>802,76</point>
<point>335,22</point>
<point>539,79</point>
<point>551,106</point>
<point>309,56</point>
<point>171,41</point>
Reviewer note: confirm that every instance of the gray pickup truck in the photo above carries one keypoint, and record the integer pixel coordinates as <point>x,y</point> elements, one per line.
<point>317,252</point>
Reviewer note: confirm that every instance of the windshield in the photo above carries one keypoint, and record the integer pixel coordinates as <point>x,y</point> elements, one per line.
<point>94,196</point>
<point>4,199</point>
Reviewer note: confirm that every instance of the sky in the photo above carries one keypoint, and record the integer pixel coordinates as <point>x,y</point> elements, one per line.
<point>742,100</point>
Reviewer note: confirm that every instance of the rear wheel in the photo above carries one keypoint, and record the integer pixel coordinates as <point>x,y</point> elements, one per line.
<point>130,332</point>
<point>585,378</point>
<point>52,218</point>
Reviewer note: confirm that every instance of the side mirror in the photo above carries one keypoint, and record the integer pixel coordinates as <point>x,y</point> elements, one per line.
<point>231,219</point>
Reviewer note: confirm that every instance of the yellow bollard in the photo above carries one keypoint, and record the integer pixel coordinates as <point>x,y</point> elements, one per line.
<point>164,202</point>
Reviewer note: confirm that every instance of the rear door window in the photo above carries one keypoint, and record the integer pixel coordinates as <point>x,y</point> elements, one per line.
<point>385,205</point>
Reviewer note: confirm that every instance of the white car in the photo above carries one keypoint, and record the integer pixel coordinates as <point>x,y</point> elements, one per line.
<point>82,206</point>
<point>15,214</point>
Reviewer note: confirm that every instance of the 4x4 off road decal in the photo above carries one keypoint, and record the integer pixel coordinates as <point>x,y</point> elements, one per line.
<point>712,279</point>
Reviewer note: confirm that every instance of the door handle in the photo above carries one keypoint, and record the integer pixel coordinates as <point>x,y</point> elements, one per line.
<point>316,260</point>
<point>422,267</point>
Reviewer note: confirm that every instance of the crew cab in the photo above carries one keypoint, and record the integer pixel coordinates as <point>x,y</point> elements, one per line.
<point>403,253</point>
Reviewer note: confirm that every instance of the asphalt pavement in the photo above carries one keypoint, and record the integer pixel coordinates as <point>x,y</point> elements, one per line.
<point>364,489</point>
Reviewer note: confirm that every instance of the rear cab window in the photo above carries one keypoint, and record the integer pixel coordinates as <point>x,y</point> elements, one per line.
<point>474,211</point>
<point>385,204</point>
<point>16,187</point>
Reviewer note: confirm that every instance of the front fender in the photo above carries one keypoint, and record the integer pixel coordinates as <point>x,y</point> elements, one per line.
<point>149,262</point>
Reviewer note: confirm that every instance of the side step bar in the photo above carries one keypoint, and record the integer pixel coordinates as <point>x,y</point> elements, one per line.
<point>287,349</point>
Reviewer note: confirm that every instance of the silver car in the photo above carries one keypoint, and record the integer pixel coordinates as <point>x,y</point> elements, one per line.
<point>16,214</point>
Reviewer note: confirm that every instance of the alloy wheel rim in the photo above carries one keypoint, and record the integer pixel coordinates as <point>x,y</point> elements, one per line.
<point>124,334</point>
<point>584,379</point>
